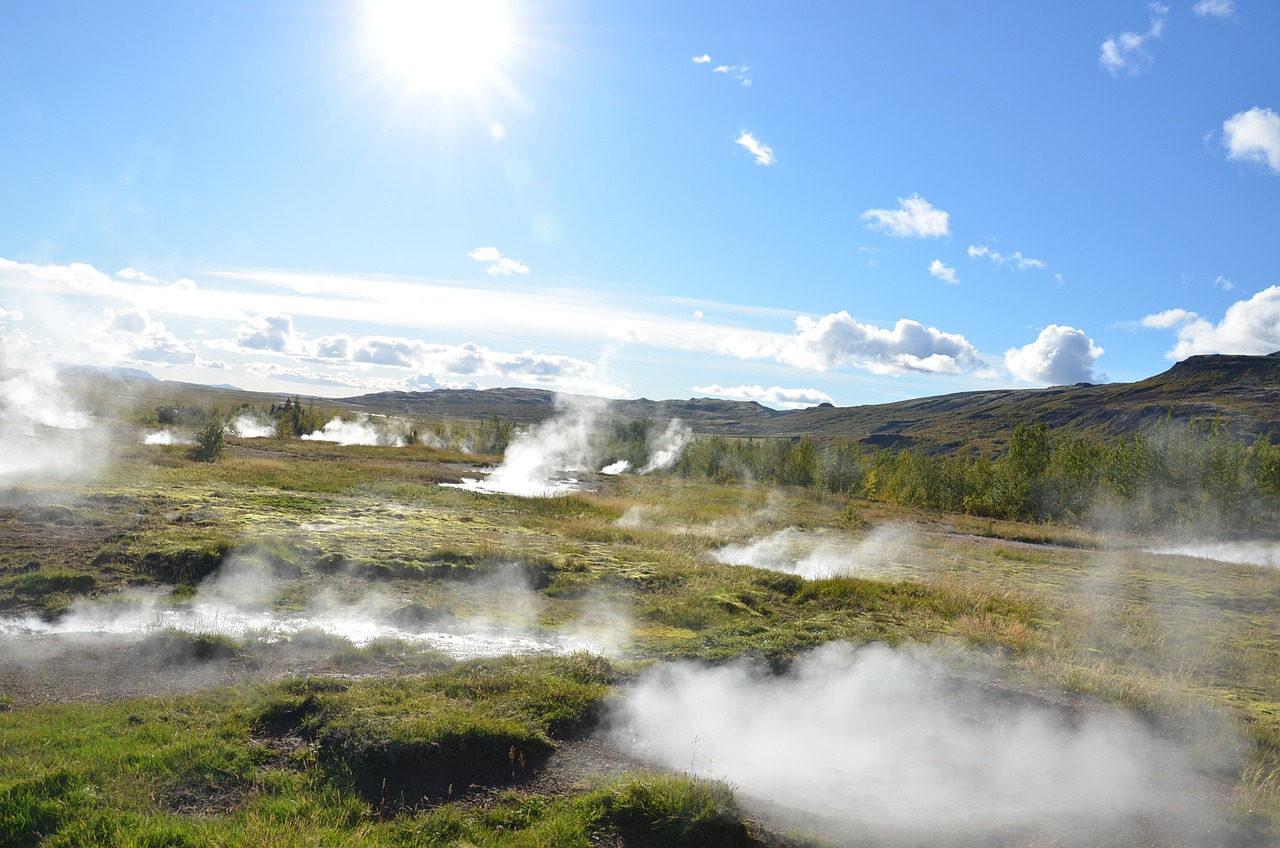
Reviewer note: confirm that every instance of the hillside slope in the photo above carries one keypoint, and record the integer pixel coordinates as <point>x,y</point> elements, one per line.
<point>1240,391</point>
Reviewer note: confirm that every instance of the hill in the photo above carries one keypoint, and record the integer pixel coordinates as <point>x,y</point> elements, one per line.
<point>1242,392</point>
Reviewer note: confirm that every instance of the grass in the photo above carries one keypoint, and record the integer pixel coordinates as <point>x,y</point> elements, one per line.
<point>335,759</point>
<point>312,761</point>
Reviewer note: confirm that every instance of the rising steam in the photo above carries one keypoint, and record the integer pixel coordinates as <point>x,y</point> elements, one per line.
<point>815,556</point>
<point>364,432</point>
<point>1237,553</point>
<point>548,459</point>
<point>894,747</point>
<point>43,434</point>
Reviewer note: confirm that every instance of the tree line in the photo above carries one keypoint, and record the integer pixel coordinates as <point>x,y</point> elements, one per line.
<point>1194,474</point>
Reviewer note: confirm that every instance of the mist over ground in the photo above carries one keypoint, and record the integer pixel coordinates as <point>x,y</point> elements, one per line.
<point>44,433</point>
<point>819,555</point>
<point>897,747</point>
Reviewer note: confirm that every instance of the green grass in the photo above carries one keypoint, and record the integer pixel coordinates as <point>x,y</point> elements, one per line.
<point>319,761</point>
<point>1057,609</point>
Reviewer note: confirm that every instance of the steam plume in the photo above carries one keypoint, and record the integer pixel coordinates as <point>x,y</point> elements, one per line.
<point>896,748</point>
<point>42,433</point>
<point>815,556</point>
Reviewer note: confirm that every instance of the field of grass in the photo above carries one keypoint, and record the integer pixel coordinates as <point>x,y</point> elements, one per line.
<point>385,742</point>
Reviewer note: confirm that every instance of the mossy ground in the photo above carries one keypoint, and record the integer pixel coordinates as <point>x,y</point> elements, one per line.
<point>1057,609</point>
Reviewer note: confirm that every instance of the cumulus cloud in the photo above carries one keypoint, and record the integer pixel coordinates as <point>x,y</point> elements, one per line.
<point>943,272</point>
<point>701,60</point>
<point>1127,53</point>
<point>914,216</point>
<point>1001,260</point>
<point>774,396</point>
<point>1253,136</point>
<point>1059,355</point>
<point>497,264</point>
<point>397,353</point>
<point>1215,8</point>
<point>837,339</point>
<point>332,347</point>
<point>1249,327</point>
<point>131,334</point>
<point>272,333</point>
<point>762,152</point>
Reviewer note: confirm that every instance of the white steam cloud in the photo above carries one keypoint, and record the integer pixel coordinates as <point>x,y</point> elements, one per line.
<point>250,427</point>
<point>816,556</point>
<point>539,462</point>
<point>1265,554</point>
<point>545,460</point>
<point>893,746</point>
<point>42,433</point>
<point>165,437</point>
<point>364,432</point>
<point>666,449</point>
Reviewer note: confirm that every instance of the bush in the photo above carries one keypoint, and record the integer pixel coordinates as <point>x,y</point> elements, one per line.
<point>211,439</point>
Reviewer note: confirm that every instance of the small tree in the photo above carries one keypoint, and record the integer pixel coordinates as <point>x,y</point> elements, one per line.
<point>211,439</point>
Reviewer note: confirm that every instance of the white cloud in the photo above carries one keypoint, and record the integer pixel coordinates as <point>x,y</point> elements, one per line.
<point>131,335</point>
<point>1215,8</point>
<point>1169,319</point>
<point>135,275</point>
<point>914,216</point>
<point>774,396</point>
<point>1223,283</point>
<point>701,60</point>
<point>837,339</point>
<point>1015,259</point>
<point>762,152</point>
<point>943,272</point>
<point>1127,52</point>
<point>497,264</point>
<point>396,353</point>
<point>741,73</point>
<point>332,347</point>
<point>273,333</point>
<point>1249,327</point>
<point>1253,136</point>
<point>467,360</point>
<point>1059,355</point>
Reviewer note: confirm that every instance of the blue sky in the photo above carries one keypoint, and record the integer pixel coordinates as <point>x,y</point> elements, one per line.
<point>852,202</point>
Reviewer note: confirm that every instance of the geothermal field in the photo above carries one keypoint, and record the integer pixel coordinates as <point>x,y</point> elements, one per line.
<point>377,633</point>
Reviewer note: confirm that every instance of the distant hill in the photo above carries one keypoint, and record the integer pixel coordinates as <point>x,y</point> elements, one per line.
<point>1240,391</point>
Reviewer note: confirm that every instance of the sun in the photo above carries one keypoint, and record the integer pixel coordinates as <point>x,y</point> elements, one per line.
<point>443,47</point>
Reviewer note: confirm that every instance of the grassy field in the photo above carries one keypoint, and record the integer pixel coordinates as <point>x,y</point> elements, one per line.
<point>319,737</point>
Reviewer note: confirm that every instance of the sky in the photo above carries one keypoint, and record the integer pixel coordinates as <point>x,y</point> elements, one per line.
<point>846,202</point>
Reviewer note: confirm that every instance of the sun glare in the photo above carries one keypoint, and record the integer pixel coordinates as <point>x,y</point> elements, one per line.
<point>445,47</point>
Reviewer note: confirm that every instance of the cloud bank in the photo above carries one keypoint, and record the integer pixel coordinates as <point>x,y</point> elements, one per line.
<point>837,340</point>
<point>1249,327</point>
<point>774,396</point>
